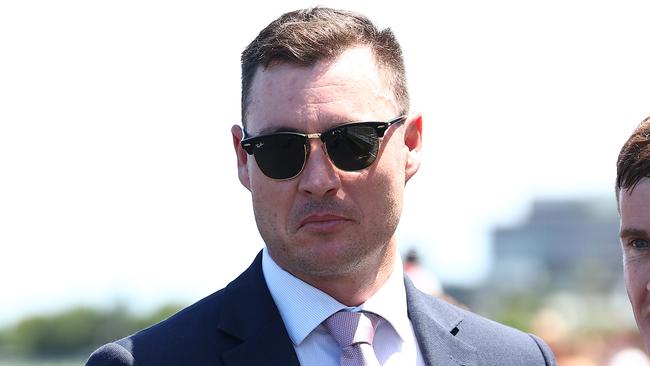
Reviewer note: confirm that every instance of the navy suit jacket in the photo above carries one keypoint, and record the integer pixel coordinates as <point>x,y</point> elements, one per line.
<point>240,325</point>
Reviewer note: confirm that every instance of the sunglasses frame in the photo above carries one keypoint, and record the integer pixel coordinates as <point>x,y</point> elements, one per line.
<point>250,144</point>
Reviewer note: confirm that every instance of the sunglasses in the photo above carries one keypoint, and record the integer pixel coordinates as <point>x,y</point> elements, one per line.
<point>351,146</point>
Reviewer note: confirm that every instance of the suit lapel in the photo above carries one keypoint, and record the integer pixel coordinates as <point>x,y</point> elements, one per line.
<point>436,326</point>
<point>250,315</point>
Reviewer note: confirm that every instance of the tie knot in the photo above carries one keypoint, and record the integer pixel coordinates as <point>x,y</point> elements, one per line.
<point>350,328</point>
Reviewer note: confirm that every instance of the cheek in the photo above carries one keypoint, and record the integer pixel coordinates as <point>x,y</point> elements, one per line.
<point>274,196</point>
<point>379,195</point>
<point>636,275</point>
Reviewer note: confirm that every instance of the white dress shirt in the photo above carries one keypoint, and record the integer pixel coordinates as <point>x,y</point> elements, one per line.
<point>303,308</point>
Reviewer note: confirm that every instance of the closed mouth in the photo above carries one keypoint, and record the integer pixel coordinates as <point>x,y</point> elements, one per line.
<point>322,220</point>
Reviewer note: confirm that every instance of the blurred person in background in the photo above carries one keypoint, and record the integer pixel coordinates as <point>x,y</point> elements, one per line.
<point>423,280</point>
<point>633,196</point>
<point>327,146</point>
<point>629,357</point>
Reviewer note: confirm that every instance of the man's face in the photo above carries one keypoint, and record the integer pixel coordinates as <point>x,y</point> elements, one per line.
<point>327,222</point>
<point>635,240</point>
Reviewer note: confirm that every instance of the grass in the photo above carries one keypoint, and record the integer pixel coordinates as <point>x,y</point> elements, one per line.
<point>44,362</point>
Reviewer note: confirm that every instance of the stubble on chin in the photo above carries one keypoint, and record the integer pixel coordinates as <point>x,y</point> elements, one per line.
<point>360,248</point>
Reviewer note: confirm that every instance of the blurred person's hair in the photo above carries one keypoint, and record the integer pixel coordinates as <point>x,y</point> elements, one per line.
<point>304,37</point>
<point>633,162</point>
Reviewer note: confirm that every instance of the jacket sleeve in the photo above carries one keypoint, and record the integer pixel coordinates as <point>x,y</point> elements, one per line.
<point>111,354</point>
<point>545,349</point>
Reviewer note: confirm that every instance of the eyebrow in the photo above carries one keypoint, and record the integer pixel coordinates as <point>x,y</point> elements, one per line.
<point>627,232</point>
<point>270,130</point>
<point>276,129</point>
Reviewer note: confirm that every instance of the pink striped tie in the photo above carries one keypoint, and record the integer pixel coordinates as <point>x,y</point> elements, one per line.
<point>354,333</point>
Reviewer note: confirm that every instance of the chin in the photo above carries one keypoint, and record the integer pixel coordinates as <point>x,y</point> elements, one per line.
<point>327,263</point>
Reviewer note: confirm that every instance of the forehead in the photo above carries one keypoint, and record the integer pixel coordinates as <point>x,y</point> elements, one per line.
<point>635,206</point>
<point>348,88</point>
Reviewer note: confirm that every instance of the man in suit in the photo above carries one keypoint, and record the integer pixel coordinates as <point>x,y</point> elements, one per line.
<point>326,149</point>
<point>633,196</point>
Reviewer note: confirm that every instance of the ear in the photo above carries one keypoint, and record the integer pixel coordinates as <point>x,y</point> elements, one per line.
<point>413,141</point>
<point>242,156</point>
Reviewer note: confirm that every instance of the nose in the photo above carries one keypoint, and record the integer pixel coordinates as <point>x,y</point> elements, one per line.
<point>319,176</point>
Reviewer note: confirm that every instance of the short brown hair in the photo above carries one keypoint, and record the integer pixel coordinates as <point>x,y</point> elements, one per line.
<point>634,159</point>
<point>306,36</point>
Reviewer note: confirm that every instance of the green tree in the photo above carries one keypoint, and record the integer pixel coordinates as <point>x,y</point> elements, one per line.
<point>75,331</point>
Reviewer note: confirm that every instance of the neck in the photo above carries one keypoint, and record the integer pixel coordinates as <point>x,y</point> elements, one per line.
<point>356,287</point>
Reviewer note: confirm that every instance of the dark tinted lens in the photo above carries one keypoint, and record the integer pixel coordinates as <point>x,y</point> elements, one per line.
<point>280,156</point>
<point>352,147</point>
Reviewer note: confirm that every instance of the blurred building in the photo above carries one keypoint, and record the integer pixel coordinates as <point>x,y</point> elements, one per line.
<point>562,246</point>
<point>561,262</point>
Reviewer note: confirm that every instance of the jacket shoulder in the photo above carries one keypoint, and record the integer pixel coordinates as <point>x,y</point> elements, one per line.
<point>501,342</point>
<point>202,333</point>
<point>111,354</point>
<point>445,328</point>
<point>187,337</point>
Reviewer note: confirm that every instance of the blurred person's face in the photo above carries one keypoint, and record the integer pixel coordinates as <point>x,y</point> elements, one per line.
<point>327,222</point>
<point>635,240</point>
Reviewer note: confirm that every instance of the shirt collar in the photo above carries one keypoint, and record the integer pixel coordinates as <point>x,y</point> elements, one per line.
<point>304,307</point>
<point>390,301</point>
